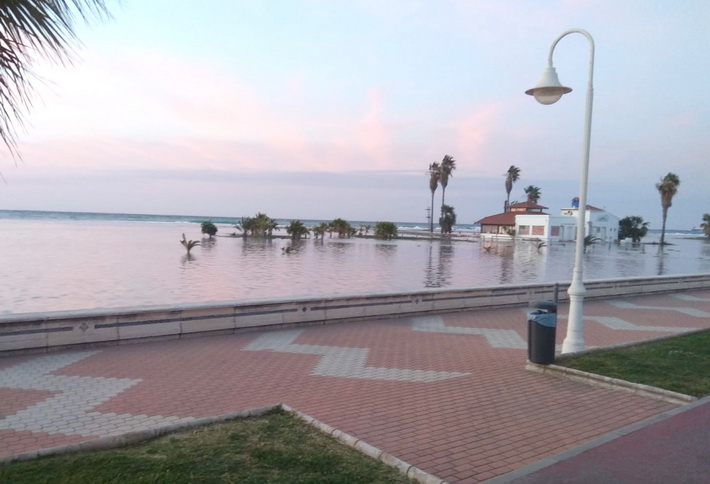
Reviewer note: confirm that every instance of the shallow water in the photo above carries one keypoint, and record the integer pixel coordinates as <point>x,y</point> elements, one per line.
<point>62,264</point>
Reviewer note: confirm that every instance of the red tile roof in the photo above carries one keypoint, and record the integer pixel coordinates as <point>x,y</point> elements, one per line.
<point>508,218</point>
<point>526,205</point>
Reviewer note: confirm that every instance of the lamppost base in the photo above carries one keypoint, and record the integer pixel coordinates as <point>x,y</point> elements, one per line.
<point>573,346</point>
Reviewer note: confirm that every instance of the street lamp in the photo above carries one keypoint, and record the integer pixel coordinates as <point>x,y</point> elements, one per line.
<point>548,91</point>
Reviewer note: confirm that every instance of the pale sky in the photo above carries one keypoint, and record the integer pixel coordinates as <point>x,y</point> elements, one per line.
<point>317,109</point>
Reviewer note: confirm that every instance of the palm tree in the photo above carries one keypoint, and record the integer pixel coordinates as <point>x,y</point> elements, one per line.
<point>434,174</point>
<point>189,244</point>
<point>34,29</point>
<point>590,240</point>
<point>667,187</point>
<point>534,193</point>
<point>706,224</point>
<point>320,230</point>
<point>385,230</point>
<point>296,230</point>
<point>448,219</point>
<point>511,177</point>
<point>446,168</point>
<point>342,227</point>
<point>633,227</point>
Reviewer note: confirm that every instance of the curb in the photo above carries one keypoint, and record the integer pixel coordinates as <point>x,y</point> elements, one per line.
<point>611,383</point>
<point>121,440</point>
<point>116,441</point>
<point>360,445</point>
<point>599,441</point>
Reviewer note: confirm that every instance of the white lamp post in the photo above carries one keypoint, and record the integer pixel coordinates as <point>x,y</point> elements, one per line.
<point>548,91</point>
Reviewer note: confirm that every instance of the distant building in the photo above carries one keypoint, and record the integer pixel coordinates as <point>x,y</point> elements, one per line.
<point>530,222</point>
<point>503,223</point>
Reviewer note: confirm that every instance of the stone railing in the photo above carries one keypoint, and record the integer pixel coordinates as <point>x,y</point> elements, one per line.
<point>33,332</point>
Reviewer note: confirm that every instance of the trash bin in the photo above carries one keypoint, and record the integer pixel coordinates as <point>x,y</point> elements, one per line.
<point>542,325</point>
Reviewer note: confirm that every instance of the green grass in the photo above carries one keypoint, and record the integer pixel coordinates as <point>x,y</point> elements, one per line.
<point>274,448</point>
<point>680,364</point>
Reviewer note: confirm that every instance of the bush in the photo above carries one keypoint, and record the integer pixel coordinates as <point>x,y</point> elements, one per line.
<point>209,228</point>
<point>385,230</point>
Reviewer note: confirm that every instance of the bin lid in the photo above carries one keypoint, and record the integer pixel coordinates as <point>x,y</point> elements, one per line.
<point>543,319</point>
<point>550,306</point>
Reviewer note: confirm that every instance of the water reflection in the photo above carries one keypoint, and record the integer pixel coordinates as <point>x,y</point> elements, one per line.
<point>438,274</point>
<point>386,249</point>
<point>187,258</point>
<point>660,259</point>
<point>106,265</point>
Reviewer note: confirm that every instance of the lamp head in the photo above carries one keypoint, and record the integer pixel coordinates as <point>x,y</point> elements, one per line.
<point>548,90</point>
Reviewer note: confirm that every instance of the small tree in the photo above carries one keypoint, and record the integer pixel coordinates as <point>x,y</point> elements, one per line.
<point>342,228</point>
<point>633,227</point>
<point>188,244</point>
<point>296,230</point>
<point>591,240</point>
<point>385,230</point>
<point>320,230</point>
<point>706,224</point>
<point>209,228</point>
<point>447,219</point>
<point>259,226</point>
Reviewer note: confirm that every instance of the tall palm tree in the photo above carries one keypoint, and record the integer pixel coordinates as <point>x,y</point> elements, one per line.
<point>534,193</point>
<point>667,187</point>
<point>446,168</point>
<point>434,174</point>
<point>30,30</point>
<point>511,176</point>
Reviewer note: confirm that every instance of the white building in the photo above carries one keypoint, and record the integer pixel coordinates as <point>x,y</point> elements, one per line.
<point>530,222</point>
<point>598,222</point>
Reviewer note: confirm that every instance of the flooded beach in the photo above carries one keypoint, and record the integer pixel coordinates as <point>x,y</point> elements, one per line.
<point>81,262</point>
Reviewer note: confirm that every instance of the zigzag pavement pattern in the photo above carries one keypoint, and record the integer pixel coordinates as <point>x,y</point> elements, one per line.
<point>342,361</point>
<point>68,412</point>
<point>497,338</point>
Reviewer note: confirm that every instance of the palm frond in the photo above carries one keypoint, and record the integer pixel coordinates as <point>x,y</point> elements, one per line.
<point>31,30</point>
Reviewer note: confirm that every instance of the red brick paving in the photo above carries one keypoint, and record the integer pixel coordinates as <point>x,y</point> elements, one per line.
<point>498,418</point>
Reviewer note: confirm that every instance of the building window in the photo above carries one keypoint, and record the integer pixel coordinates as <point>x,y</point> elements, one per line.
<point>555,231</point>
<point>524,230</point>
<point>538,230</point>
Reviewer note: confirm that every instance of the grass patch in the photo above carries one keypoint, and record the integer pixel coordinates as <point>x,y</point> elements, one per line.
<point>680,364</point>
<point>274,448</point>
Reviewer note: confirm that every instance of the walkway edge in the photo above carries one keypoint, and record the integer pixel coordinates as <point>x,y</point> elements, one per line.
<point>122,440</point>
<point>611,383</point>
<point>360,445</point>
<point>115,441</point>
<point>541,464</point>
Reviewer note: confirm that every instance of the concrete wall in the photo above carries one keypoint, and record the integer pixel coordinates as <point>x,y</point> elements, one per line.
<point>36,332</point>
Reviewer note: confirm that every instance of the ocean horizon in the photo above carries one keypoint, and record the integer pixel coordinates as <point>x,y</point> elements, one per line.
<point>224,220</point>
<point>55,261</point>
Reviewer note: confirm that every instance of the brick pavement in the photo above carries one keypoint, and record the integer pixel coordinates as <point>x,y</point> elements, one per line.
<point>448,393</point>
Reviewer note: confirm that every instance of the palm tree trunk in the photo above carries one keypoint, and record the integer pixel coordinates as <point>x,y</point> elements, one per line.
<point>431,214</point>
<point>663,226</point>
<point>441,212</point>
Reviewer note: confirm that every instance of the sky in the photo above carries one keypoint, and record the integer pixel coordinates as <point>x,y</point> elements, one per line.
<point>318,109</point>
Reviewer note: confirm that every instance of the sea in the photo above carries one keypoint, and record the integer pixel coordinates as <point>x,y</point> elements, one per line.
<point>56,261</point>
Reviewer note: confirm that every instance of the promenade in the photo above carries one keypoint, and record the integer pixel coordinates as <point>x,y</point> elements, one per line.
<point>447,393</point>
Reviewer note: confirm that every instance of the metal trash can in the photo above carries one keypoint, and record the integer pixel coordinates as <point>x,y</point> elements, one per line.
<point>542,326</point>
